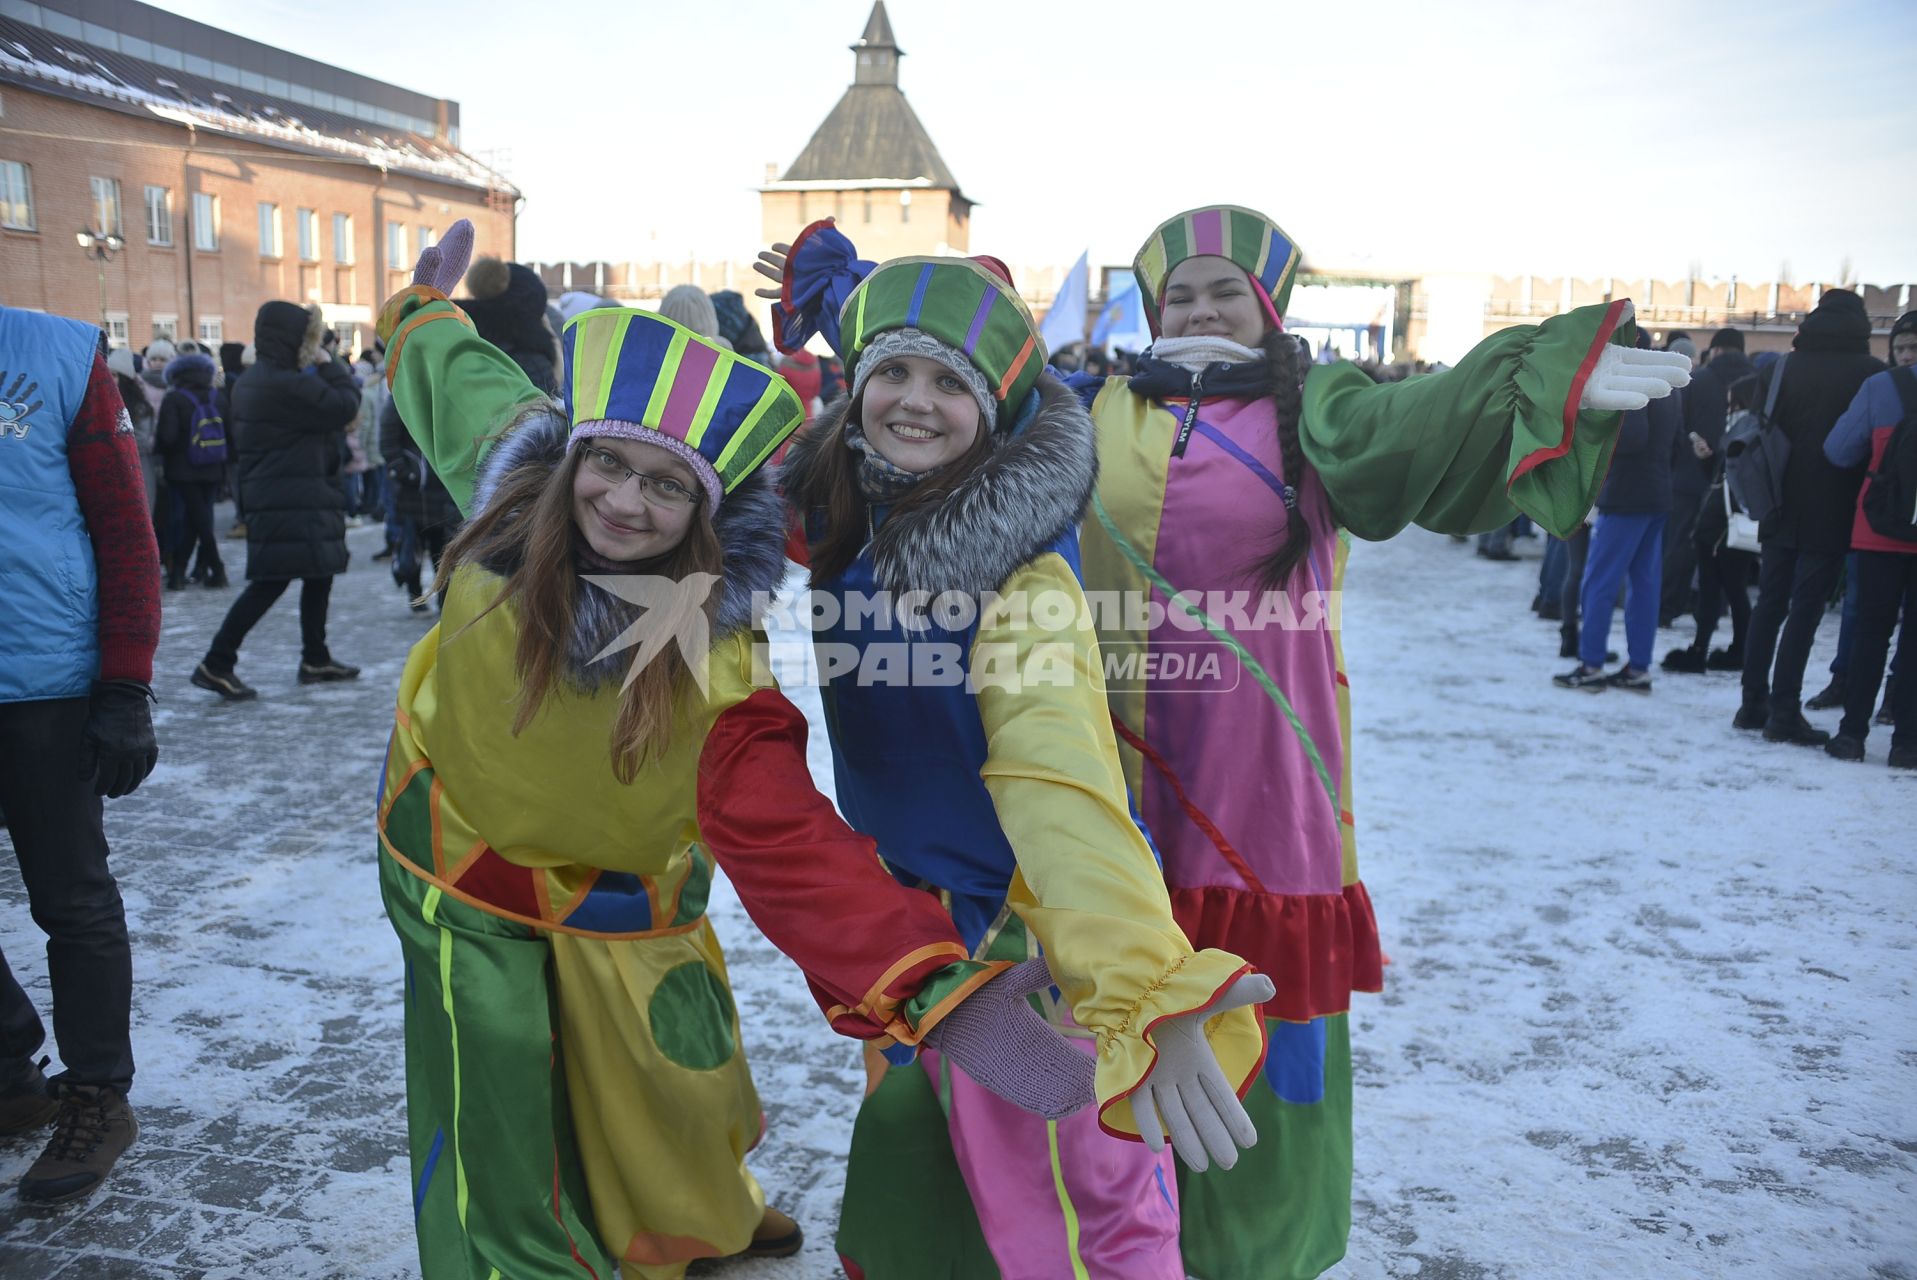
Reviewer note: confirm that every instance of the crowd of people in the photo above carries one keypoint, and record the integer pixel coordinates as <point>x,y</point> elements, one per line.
<point>1762,474</point>
<point>1080,927</point>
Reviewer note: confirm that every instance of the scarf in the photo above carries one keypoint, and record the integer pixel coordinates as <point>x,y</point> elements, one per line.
<point>881,482</point>
<point>1203,350</point>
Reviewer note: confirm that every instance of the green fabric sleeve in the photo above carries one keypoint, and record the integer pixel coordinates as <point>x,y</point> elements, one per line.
<point>1467,449</point>
<point>455,390</point>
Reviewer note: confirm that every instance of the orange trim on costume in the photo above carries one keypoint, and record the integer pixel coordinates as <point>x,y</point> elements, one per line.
<point>577,898</point>
<point>542,892</point>
<point>405,330</point>
<point>412,771</point>
<point>877,993</point>
<point>1011,374</point>
<point>499,913</point>
<point>466,861</point>
<point>951,1002</point>
<point>432,807</point>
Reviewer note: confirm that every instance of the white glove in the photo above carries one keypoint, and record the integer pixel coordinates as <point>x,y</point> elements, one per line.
<point>1186,1089</point>
<point>1626,378</point>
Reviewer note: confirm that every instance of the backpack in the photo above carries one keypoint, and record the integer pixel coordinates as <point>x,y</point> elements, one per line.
<point>1756,454</point>
<point>1890,494</point>
<point>206,441</point>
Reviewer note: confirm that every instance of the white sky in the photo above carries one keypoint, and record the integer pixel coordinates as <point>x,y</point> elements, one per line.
<point>1631,139</point>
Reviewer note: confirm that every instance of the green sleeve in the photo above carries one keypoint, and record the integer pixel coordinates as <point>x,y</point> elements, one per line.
<point>455,390</point>
<point>1467,449</point>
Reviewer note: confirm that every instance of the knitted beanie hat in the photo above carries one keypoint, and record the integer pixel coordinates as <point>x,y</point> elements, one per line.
<point>687,304</point>
<point>1244,236</point>
<point>635,375</point>
<point>917,342</point>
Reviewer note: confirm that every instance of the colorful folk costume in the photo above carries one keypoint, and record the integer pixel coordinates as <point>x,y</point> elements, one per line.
<point>576,1091</point>
<point>996,785</point>
<point>1241,770</point>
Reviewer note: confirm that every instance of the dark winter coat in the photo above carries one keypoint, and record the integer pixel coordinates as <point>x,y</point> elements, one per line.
<point>1704,415</point>
<point>508,309</point>
<point>290,420</point>
<point>1640,479</point>
<point>1830,359</point>
<point>190,379</point>
<point>429,505</point>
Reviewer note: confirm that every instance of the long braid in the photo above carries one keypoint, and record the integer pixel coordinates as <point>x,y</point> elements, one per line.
<point>1287,396</point>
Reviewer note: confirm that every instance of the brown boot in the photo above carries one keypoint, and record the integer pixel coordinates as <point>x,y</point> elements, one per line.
<point>26,1103</point>
<point>778,1236</point>
<point>94,1126</point>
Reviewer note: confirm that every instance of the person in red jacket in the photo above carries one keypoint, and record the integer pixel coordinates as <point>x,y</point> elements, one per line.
<point>79,620</point>
<point>1886,568</point>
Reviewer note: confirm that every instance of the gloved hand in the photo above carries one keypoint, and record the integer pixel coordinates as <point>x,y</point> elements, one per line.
<point>443,266</point>
<point>117,749</point>
<point>1627,378</point>
<point>1000,1041</point>
<point>1186,1089</point>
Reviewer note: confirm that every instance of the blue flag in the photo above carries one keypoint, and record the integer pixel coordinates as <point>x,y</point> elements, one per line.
<point>1064,324</point>
<point>1122,323</point>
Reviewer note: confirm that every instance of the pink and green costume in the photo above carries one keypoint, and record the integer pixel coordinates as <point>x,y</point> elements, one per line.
<point>1244,780</point>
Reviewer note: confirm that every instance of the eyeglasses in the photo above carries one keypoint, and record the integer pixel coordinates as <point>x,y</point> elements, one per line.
<point>660,491</point>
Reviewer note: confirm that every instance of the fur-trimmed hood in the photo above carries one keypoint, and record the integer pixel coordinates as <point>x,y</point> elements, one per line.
<point>750,524</point>
<point>1032,489</point>
<point>192,370</point>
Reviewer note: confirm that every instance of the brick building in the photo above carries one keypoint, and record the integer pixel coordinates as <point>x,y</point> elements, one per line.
<point>872,165</point>
<point>232,172</point>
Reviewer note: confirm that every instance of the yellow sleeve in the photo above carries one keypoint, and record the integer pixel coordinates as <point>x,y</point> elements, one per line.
<point>1088,885</point>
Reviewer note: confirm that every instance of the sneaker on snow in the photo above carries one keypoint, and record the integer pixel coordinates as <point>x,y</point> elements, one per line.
<point>1791,727</point>
<point>1725,660</point>
<point>26,1101</point>
<point>1589,679</point>
<point>326,672</point>
<point>1689,661</point>
<point>93,1127</point>
<point>1831,695</point>
<point>1627,678</point>
<point>224,683</point>
<point>1845,747</point>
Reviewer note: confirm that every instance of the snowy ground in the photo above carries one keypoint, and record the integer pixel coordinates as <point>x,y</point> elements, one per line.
<point>1649,1011</point>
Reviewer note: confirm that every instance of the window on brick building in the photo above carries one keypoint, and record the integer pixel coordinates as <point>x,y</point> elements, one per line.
<point>212,331</point>
<point>166,328</point>
<point>116,322</point>
<point>206,222</point>
<point>343,238</point>
<point>423,239</point>
<point>396,246</point>
<point>106,206</point>
<point>269,230</point>
<point>309,235</point>
<point>16,196</point>
<point>159,215</point>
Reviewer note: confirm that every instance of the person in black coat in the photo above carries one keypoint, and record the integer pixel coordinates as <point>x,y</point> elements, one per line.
<point>1691,470</point>
<point>290,412</point>
<point>508,309</point>
<point>427,514</point>
<point>1804,544</point>
<point>191,440</point>
<point>1626,549</point>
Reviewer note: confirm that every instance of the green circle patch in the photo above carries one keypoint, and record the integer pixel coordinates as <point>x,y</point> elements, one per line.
<point>691,1015</point>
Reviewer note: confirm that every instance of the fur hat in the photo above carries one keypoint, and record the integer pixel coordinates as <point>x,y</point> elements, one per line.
<point>508,284</point>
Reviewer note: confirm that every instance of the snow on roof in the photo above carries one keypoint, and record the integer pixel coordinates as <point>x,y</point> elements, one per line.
<point>272,124</point>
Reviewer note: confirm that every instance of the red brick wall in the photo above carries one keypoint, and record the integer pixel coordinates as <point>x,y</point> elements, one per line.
<point>46,270</point>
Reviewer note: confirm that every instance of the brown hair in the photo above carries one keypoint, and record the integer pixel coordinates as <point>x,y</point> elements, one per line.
<point>529,522</point>
<point>1287,394</point>
<point>844,506</point>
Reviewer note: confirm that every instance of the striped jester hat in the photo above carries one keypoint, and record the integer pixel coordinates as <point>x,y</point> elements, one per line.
<point>1245,236</point>
<point>636,375</point>
<point>966,303</point>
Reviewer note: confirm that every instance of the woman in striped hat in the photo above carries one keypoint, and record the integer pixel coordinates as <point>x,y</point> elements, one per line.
<point>581,737</point>
<point>939,505</point>
<point>1229,472</point>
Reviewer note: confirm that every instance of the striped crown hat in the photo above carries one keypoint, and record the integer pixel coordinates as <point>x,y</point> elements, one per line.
<point>1245,236</point>
<point>961,302</point>
<point>636,375</point>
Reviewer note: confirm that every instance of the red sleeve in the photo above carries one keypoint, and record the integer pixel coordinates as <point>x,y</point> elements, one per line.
<point>814,886</point>
<point>105,464</point>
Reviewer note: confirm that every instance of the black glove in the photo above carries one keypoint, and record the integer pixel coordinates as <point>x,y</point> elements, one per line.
<point>118,749</point>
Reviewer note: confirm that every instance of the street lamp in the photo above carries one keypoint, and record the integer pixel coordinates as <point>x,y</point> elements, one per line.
<point>100,246</point>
